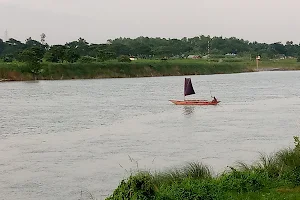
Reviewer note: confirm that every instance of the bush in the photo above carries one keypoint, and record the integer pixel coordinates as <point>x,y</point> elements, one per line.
<point>124,59</point>
<point>192,170</point>
<point>233,60</point>
<point>136,187</point>
<point>191,189</point>
<point>87,59</point>
<point>244,181</point>
<point>8,58</point>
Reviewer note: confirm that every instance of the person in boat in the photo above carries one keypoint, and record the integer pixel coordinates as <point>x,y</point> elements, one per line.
<point>214,100</point>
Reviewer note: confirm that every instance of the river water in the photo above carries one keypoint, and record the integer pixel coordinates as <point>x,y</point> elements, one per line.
<point>66,139</point>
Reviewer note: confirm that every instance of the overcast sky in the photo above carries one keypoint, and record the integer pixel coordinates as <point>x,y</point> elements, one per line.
<point>98,20</point>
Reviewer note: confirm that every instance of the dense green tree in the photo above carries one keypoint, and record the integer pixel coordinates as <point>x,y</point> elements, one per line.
<point>145,47</point>
<point>120,49</point>
<point>32,58</point>
<point>2,46</point>
<point>8,57</point>
<point>81,46</point>
<point>56,53</point>
<point>12,48</point>
<point>71,55</point>
<point>104,55</point>
<point>87,59</point>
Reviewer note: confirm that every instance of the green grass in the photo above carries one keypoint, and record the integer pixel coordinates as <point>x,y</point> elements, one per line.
<point>115,69</point>
<point>141,68</point>
<point>275,176</point>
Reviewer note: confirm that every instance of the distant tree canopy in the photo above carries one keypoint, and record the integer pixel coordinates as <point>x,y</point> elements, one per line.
<point>32,57</point>
<point>142,47</point>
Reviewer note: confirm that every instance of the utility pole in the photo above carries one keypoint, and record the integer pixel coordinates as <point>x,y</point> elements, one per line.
<point>6,35</point>
<point>208,48</point>
<point>43,36</point>
<point>257,59</point>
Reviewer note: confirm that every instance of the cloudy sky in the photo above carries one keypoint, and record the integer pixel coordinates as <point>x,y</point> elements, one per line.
<point>98,20</point>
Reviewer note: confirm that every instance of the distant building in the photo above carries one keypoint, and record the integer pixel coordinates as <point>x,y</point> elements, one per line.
<point>194,57</point>
<point>132,58</point>
<point>230,54</point>
<point>281,56</point>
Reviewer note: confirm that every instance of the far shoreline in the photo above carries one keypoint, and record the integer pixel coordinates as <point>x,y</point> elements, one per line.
<point>248,70</point>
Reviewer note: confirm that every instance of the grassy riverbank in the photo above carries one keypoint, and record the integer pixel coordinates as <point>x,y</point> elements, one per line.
<point>140,68</point>
<point>272,177</point>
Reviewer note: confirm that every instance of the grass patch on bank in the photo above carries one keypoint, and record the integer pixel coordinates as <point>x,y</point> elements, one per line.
<point>113,69</point>
<point>141,68</point>
<point>275,176</point>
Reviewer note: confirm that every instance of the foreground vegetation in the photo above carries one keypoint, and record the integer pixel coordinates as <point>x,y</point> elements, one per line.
<point>272,177</point>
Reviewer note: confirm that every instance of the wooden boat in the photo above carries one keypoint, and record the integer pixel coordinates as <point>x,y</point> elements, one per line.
<point>189,90</point>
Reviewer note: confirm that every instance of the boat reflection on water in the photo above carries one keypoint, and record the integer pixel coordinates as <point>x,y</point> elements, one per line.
<point>188,110</point>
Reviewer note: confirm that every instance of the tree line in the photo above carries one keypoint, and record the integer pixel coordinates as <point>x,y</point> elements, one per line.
<point>142,47</point>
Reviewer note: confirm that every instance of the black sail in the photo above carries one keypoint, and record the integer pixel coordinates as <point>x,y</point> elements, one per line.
<point>188,87</point>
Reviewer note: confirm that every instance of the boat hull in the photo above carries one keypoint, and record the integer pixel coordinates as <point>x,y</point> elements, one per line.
<point>195,102</point>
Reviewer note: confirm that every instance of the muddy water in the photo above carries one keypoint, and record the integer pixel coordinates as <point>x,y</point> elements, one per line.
<point>58,138</point>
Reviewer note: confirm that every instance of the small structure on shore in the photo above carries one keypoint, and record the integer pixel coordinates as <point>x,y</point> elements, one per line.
<point>132,58</point>
<point>193,57</point>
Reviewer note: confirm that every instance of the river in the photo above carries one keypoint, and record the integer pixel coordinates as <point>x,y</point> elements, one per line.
<point>64,139</point>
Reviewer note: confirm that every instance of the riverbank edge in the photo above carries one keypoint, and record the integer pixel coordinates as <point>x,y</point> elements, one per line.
<point>14,75</point>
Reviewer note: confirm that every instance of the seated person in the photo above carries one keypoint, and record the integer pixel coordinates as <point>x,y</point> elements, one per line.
<point>214,100</point>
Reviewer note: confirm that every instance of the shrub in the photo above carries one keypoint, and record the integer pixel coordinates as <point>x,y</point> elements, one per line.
<point>87,59</point>
<point>124,58</point>
<point>192,170</point>
<point>136,187</point>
